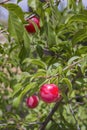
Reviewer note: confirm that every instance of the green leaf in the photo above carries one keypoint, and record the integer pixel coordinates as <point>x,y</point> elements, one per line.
<point>77,18</point>
<point>68,82</point>
<point>65,97</point>
<point>16,101</point>
<point>17,88</point>
<point>73,59</point>
<point>15,9</point>
<point>39,50</point>
<point>84,64</point>
<point>82,50</point>
<point>34,4</point>
<point>26,41</point>
<point>27,88</point>
<point>79,36</point>
<point>15,27</point>
<point>3,78</point>
<point>51,35</point>
<point>37,62</point>
<point>40,73</point>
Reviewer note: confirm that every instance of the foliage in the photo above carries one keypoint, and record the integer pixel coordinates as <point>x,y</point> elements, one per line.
<point>57,53</point>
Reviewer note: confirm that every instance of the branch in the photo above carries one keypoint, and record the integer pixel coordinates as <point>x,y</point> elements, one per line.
<point>49,117</point>
<point>1,3</point>
<point>78,97</point>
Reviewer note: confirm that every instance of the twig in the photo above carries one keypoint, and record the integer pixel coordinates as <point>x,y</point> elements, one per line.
<point>70,66</point>
<point>3,124</point>
<point>56,75</point>
<point>71,110</point>
<point>34,123</point>
<point>4,30</point>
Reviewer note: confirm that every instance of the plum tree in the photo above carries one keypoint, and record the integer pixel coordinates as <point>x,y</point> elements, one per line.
<point>36,64</point>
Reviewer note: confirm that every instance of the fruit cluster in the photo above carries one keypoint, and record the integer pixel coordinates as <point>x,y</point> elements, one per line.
<point>48,93</point>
